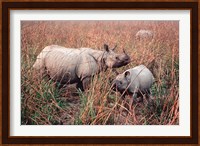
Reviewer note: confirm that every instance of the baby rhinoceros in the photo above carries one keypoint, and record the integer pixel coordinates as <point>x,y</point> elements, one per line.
<point>135,82</point>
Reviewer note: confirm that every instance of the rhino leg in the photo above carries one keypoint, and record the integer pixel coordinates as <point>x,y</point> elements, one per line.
<point>133,98</point>
<point>135,93</point>
<point>85,82</point>
<point>143,94</point>
<point>79,85</point>
<point>130,102</point>
<point>139,97</point>
<point>60,85</point>
<point>123,95</point>
<point>147,93</point>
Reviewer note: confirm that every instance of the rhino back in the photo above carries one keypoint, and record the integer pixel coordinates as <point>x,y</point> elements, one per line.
<point>141,77</point>
<point>87,66</point>
<point>39,63</point>
<point>61,64</point>
<point>70,64</point>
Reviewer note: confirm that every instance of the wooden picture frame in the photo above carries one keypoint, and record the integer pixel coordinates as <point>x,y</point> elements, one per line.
<point>7,139</point>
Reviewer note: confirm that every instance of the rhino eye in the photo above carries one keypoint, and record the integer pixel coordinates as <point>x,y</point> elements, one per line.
<point>117,58</point>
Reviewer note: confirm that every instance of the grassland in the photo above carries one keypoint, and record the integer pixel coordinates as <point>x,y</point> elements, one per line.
<point>43,103</point>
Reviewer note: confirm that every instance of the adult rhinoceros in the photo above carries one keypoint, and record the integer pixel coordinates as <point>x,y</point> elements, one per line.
<point>144,35</point>
<point>69,65</point>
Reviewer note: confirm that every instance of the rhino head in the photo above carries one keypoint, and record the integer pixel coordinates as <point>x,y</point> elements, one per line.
<point>121,82</point>
<point>115,60</point>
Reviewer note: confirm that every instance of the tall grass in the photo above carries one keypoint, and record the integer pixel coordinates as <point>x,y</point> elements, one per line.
<point>42,102</point>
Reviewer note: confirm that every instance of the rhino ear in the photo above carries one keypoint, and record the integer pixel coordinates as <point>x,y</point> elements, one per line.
<point>106,47</point>
<point>127,74</point>
<point>114,47</point>
<point>124,51</point>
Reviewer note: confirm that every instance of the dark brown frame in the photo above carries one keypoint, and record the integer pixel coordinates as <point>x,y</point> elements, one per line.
<point>7,6</point>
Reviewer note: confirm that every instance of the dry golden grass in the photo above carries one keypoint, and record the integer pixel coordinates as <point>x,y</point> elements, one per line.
<point>43,103</point>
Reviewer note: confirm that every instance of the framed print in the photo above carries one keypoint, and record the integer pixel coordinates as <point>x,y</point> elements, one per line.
<point>99,72</point>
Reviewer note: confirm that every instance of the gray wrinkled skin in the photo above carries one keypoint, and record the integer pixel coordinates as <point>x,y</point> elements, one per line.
<point>144,34</point>
<point>69,65</point>
<point>135,80</point>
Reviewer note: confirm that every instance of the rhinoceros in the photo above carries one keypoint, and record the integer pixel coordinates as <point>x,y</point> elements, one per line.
<point>144,34</point>
<point>134,82</point>
<point>70,65</point>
